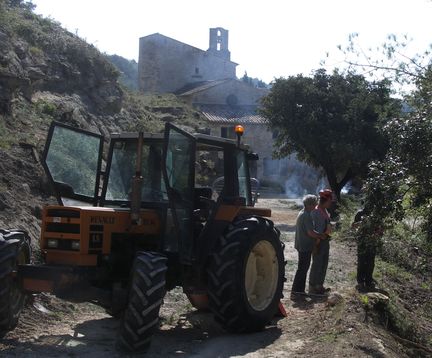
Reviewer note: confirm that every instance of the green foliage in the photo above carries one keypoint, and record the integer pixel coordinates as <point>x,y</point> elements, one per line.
<point>364,300</point>
<point>47,108</point>
<point>246,79</point>
<point>35,51</point>
<point>407,248</point>
<point>399,187</point>
<point>407,310</point>
<point>393,272</point>
<point>253,82</point>
<point>28,5</point>
<point>348,206</point>
<point>332,121</point>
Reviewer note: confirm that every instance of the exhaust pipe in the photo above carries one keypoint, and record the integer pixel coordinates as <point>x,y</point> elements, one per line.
<point>137,181</point>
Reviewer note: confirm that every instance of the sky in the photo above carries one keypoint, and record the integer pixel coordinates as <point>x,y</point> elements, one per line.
<point>268,39</point>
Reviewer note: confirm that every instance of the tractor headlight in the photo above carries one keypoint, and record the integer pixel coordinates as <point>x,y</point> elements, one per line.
<point>52,243</point>
<point>75,245</point>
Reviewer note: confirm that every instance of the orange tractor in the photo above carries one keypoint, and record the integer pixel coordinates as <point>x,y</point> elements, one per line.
<point>139,220</point>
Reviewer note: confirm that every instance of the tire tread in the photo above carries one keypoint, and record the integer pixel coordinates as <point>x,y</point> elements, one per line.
<point>226,299</point>
<point>147,289</point>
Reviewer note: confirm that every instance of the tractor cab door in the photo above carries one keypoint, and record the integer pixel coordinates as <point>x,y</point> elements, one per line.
<point>72,161</point>
<point>179,176</point>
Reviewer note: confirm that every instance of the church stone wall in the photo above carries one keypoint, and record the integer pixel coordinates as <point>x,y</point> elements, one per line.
<point>166,65</point>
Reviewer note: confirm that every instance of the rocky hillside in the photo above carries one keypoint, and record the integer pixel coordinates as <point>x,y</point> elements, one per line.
<point>46,74</point>
<point>128,71</point>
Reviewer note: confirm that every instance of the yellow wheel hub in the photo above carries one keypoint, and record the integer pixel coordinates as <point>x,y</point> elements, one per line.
<point>262,273</point>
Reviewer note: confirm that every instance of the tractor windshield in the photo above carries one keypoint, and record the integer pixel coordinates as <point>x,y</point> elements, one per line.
<point>122,169</point>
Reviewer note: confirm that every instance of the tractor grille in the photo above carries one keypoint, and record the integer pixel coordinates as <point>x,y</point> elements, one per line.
<point>64,245</point>
<point>63,228</point>
<point>62,213</point>
<point>59,226</point>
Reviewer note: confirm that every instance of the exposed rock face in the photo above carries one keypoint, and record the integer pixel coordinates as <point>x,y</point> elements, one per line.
<point>51,59</point>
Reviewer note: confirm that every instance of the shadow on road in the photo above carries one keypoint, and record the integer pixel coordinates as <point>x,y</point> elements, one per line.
<point>194,335</point>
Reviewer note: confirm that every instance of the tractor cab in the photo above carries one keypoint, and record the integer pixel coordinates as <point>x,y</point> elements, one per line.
<point>187,181</point>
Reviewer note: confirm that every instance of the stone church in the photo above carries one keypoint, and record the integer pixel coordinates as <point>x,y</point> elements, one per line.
<point>208,81</point>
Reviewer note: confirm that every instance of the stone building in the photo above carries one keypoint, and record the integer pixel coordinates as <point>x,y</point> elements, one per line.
<point>207,80</point>
<point>166,65</point>
<point>226,103</point>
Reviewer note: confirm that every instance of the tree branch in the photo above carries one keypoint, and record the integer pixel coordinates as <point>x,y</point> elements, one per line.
<point>376,67</point>
<point>411,60</point>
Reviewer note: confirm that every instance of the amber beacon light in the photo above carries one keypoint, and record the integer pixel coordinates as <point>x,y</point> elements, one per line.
<point>239,130</point>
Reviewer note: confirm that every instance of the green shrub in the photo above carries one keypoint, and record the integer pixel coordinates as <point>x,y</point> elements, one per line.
<point>36,51</point>
<point>47,108</point>
<point>347,208</point>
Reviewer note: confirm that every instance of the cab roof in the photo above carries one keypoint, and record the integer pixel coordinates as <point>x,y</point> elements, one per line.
<point>205,139</point>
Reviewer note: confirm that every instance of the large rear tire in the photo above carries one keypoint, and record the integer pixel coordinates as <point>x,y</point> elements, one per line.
<point>14,250</point>
<point>146,293</point>
<point>246,275</point>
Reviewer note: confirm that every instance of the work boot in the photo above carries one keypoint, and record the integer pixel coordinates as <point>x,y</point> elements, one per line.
<point>323,290</point>
<point>297,295</point>
<point>319,290</point>
<point>314,290</point>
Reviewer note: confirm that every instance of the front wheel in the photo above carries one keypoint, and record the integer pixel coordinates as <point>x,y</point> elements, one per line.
<point>246,275</point>
<point>146,291</point>
<point>14,250</point>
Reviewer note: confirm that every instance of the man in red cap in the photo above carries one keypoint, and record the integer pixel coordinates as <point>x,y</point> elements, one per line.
<point>321,220</point>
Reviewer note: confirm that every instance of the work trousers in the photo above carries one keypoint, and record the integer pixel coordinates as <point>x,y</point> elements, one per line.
<point>304,260</point>
<point>319,264</point>
<point>365,263</point>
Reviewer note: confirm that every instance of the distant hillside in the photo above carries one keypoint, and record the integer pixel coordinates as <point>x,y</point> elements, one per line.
<point>128,71</point>
<point>46,74</point>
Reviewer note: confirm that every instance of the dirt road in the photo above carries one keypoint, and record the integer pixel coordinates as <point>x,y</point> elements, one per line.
<point>314,328</point>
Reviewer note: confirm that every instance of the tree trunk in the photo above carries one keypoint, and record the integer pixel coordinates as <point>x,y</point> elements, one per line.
<point>331,177</point>
<point>336,186</point>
